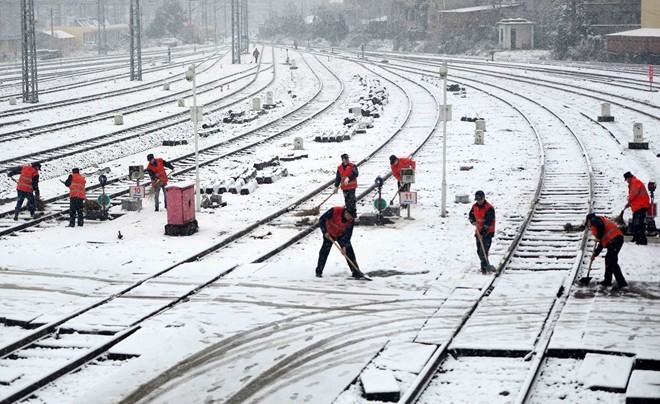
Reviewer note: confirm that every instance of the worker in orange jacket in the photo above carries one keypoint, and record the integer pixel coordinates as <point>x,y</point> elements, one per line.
<point>482,217</point>
<point>396,165</point>
<point>337,226</point>
<point>346,178</point>
<point>608,236</point>
<point>639,202</point>
<point>27,187</point>
<point>77,196</point>
<point>158,175</point>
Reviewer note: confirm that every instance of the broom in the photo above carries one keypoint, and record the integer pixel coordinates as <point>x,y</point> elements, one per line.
<point>315,210</point>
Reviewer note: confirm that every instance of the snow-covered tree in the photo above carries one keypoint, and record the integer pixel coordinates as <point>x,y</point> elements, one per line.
<point>170,21</point>
<point>570,28</point>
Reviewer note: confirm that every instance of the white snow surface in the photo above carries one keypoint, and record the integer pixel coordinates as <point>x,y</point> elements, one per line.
<point>428,263</point>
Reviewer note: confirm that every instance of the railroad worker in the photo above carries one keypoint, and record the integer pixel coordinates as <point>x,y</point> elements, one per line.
<point>482,217</point>
<point>396,164</point>
<point>346,178</point>
<point>255,53</point>
<point>27,187</point>
<point>158,175</point>
<point>608,236</point>
<point>76,184</point>
<point>639,203</point>
<point>337,226</point>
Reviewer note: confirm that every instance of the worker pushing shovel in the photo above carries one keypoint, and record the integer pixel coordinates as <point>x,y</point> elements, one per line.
<point>337,228</point>
<point>482,217</point>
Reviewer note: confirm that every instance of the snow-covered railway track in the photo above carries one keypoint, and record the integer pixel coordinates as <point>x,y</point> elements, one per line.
<point>530,287</point>
<point>30,108</point>
<point>634,79</point>
<point>103,333</point>
<point>337,341</point>
<point>81,68</point>
<point>246,79</point>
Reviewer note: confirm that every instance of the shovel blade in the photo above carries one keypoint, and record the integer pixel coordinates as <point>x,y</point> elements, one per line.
<point>585,281</point>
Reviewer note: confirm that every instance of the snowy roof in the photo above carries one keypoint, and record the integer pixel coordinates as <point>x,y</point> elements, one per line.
<point>479,8</point>
<point>515,21</point>
<point>59,34</point>
<point>653,32</point>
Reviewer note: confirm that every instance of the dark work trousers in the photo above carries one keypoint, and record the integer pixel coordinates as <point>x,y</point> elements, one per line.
<point>402,188</point>
<point>76,210</point>
<point>349,198</point>
<point>487,240</point>
<point>612,262</point>
<point>639,226</point>
<point>30,202</point>
<point>157,194</point>
<point>325,250</point>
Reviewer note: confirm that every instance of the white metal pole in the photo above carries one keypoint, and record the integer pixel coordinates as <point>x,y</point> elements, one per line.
<point>197,189</point>
<point>443,207</point>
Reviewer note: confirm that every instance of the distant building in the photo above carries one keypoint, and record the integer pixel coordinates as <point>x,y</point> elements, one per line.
<point>515,33</point>
<point>441,16</point>
<point>643,41</point>
<point>56,40</point>
<point>86,32</point>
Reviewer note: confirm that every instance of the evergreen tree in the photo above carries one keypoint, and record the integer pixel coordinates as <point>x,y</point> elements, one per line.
<point>571,27</point>
<point>170,21</point>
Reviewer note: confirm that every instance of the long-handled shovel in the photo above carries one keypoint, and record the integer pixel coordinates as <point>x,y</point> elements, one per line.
<point>350,262</point>
<point>397,193</point>
<point>585,280</point>
<point>315,210</point>
<point>483,250</point>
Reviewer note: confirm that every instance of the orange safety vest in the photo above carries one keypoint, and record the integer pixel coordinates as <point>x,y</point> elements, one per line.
<point>637,195</point>
<point>77,187</point>
<point>335,225</point>
<point>480,216</point>
<point>345,172</point>
<point>159,170</point>
<point>25,180</point>
<point>402,162</point>
<point>611,231</point>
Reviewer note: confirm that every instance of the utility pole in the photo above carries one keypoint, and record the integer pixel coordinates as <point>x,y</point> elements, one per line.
<point>29,53</point>
<point>236,32</point>
<point>136,47</point>
<point>215,22</point>
<point>245,37</point>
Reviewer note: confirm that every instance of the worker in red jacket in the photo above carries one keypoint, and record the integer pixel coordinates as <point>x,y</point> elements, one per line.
<point>482,217</point>
<point>27,187</point>
<point>608,236</point>
<point>346,178</point>
<point>77,196</point>
<point>158,175</point>
<point>396,165</point>
<point>639,203</point>
<point>337,226</point>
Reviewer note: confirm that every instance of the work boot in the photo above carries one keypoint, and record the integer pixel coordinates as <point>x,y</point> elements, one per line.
<point>358,274</point>
<point>16,216</point>
<point>156,210</point>
<point>71,225</point>
<point>604,284</point>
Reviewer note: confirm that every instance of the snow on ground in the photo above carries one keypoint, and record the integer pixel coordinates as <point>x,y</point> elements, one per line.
<point>415,257</point>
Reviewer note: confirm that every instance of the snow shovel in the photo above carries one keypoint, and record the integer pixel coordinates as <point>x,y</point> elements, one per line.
<point>350,262</point>
<point>397,193</point>
<point>315,210</point>
<point>483,249</point>
<point>585,280</point>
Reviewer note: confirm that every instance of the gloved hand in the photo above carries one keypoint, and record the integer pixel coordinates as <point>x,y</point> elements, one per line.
<point>336,190</point>
<point>346,180</point>
<point>37,194</point>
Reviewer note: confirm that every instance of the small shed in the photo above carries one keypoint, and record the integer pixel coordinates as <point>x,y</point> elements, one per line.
<point>515,33</point>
